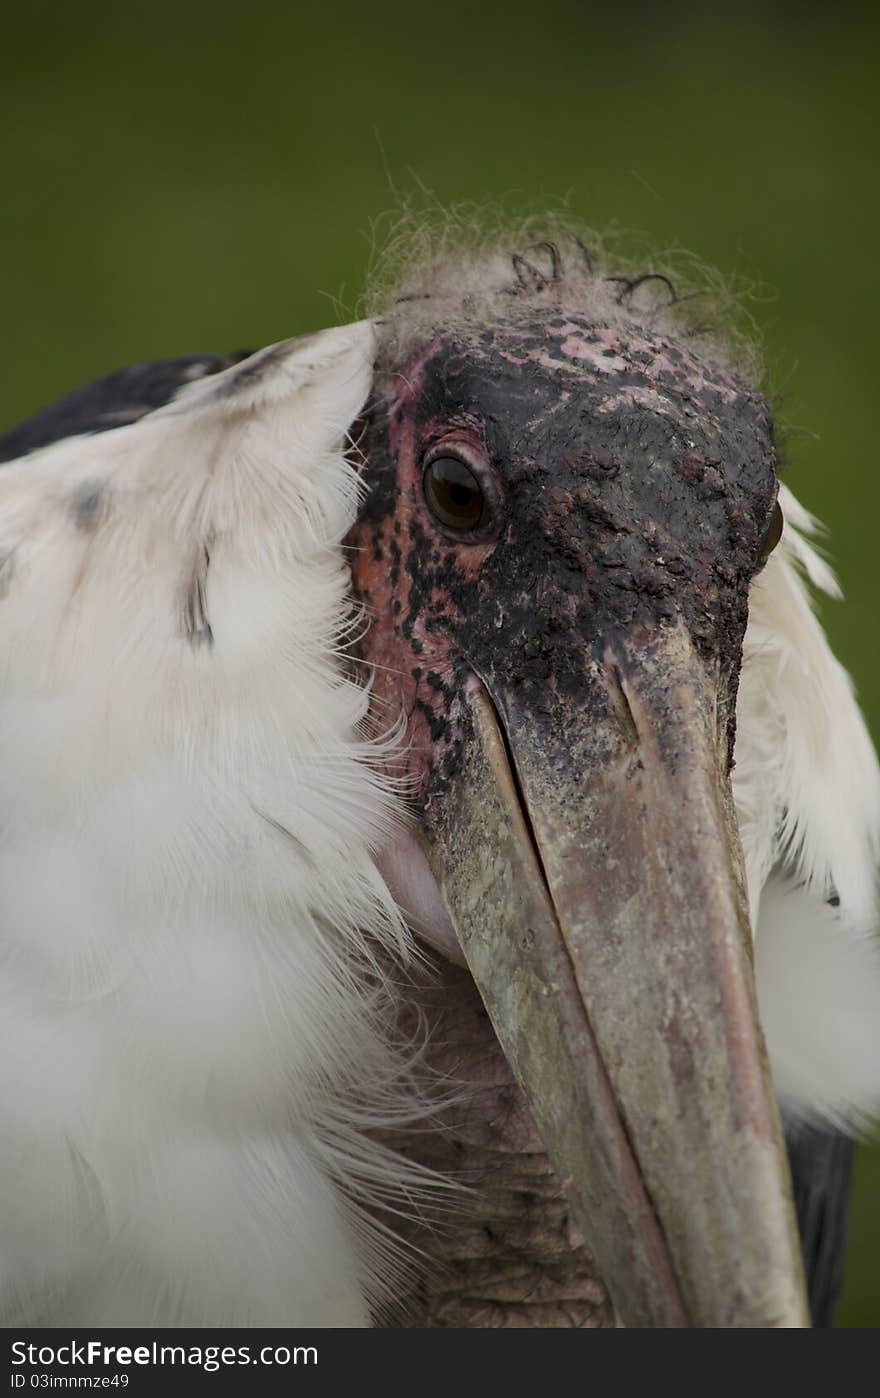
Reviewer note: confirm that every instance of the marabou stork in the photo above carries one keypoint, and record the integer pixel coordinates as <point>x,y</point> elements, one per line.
<point>451,622</point>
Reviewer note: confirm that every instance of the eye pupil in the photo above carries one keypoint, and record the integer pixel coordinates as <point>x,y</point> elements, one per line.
<point>454,495</point>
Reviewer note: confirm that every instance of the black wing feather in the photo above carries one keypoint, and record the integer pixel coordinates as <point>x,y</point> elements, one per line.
<point>821,1170</point>
<point>112,401</point>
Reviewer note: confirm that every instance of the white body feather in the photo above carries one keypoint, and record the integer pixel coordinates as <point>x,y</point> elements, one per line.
<point>187,1005</point>
<point>191,1012</point>
<point>807,789</point>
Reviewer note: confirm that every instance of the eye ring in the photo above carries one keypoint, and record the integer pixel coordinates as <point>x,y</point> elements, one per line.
<point>456,493</point>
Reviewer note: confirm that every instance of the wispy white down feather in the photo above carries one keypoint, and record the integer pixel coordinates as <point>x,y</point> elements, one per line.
<point>191,1002</point>
<point>807,790</point>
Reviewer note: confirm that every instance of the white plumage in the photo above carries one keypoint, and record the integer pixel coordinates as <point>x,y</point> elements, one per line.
<point>190,910</point>
<point>193,927</point>
<point>807,792</point>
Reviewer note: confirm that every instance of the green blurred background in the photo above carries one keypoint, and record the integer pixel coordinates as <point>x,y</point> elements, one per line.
<point>188,177</point>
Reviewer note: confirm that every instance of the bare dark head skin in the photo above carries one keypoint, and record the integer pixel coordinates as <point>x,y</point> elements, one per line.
<point>555,552</point>
<point>627,485</point>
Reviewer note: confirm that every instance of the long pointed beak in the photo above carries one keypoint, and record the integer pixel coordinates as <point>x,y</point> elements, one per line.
<point>589,858</point>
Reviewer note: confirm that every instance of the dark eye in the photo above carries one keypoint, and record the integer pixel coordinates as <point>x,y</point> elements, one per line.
<point>772,535</point>
<point>454,495</point>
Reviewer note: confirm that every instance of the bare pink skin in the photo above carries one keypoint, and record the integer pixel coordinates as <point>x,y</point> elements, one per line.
<point>401,662</point>
<point>408,875</point>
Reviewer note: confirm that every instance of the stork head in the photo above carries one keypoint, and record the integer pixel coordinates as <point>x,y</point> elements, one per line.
<point>567,501</point>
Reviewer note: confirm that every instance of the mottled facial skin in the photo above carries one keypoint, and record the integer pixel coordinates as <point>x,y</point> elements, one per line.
<point>629,485</point>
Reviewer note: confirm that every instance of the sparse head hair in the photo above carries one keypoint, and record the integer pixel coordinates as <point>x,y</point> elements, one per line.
<point>471,267</point>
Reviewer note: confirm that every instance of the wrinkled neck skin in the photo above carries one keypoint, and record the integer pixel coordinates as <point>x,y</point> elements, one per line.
<point>505,1252</point>
<point>633,486</point>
